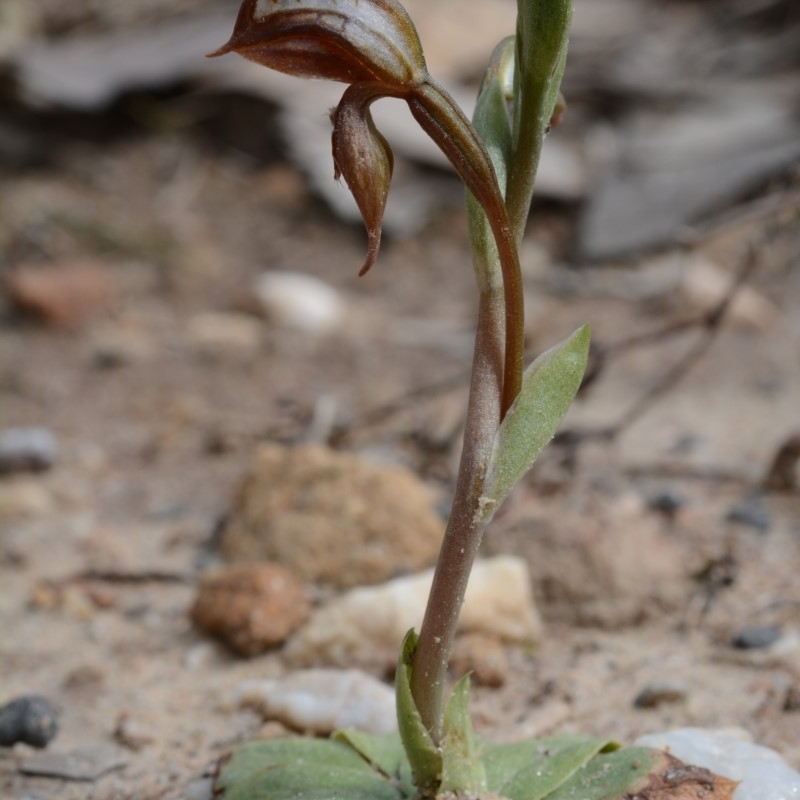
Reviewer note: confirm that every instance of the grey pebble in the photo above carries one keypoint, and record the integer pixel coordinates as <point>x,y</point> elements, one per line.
<point>201,789</point>
<point>30,719</point>
<point>82,764</point>
<point>660,692</point>
<point>667,502</point>
<point>756,636</point>
<point>27,449</point>
<point>751,511</point>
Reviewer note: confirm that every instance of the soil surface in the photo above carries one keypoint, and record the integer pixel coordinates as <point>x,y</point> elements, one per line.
<point>655,542</point>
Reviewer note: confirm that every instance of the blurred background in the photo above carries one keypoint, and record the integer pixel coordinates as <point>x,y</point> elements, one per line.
<point>179,287</point>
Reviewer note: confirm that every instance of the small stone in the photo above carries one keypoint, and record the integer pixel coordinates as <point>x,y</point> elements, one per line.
<point>321,701</point>
<point>751,511</point>
<point>703,286</point>
<point>590,569</point>
<point>200,656</point>
<point>667,502</point>
<point>332,518</point>
<point>218,335</point>
<point>272,729</point>
<point>132,733</point>
<point>27,449</point>
<point>756,636</point>
<point>364,627</point>
<point>782,475</point>
<point>85,679</point>
<point>25,499</point>
<point>299,301</point>
<point>114,346</point>
<point>30,719</point>
<point>791,702</point>
<point>82,764</point>
<point>62,295</point>
<point>482,656</point>
<point>201,789</point>
<point>251,607</point>
<point>660,693</point>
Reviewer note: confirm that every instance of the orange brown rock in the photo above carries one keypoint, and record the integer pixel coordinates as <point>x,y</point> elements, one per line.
<point>251,607</point>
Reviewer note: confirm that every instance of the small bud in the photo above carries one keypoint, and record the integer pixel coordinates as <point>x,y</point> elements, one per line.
<point>559,110</point>
<point>341,40</point>
<point>364,159</point>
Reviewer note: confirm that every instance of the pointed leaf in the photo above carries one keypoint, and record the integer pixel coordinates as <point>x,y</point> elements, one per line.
<point>309,781</point>
<point>613,776</point>
<point>532,770</point>
<point>423,755</point>
<point>541,52</point>
<point>294,749</point>
<point>295,768</point>
<point>383,751</point>
<point>542,41</point>
<point>462,769</point>
<point>548,388</point>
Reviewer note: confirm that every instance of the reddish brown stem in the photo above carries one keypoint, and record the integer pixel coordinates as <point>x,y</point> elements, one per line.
<point>443,120</point>
<point>463,535</point>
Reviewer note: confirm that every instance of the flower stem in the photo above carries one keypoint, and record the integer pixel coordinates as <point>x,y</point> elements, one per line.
<point>464,533</point>
<point>446,124</point>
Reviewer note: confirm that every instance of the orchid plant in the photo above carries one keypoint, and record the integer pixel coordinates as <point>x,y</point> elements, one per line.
<point>513,412</point>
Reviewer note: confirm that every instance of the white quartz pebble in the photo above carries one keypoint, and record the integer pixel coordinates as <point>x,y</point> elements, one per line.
<point>763,774</point>
<point>299,301</point>
<point>323,700</point>
<point>365,626</point>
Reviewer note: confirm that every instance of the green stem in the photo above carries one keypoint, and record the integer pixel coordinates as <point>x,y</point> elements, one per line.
<point>463,535</point>
<point>443,120</point>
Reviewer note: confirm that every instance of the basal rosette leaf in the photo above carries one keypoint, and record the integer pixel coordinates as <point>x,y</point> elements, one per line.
<point>300,767</point>
<point>549,386</point>
<point>641,772</point>
<point>360,766</point>
<point>385,752</point>
<point>532,770</point>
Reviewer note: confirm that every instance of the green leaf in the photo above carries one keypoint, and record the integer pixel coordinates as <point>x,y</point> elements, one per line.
<point>491,116</point>
<point>611,776</point>
<point>542,40</point>
<point>492,123</point>
<point>541,52</point>
<point>548,388</point>
<point>532,770</point>
<point>462,769</point>
<point>299,768</point>
<point>385,752</point>
<point>422,753</point>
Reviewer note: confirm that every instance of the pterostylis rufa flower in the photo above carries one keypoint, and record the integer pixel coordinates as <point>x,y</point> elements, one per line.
<point>373,46</point>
